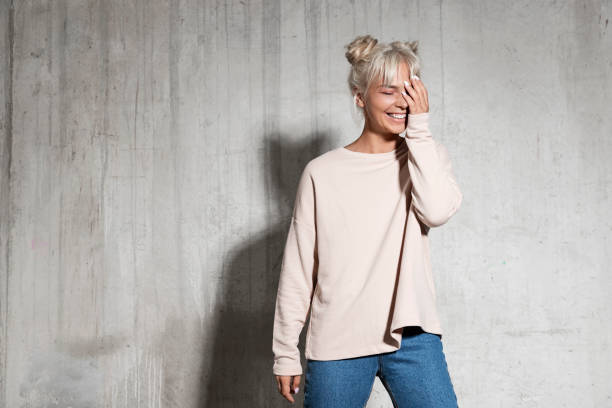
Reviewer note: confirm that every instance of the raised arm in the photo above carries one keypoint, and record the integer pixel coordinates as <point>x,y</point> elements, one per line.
<point>435,193</point>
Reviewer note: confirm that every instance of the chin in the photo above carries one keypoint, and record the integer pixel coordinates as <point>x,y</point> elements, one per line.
<point>396,128</point>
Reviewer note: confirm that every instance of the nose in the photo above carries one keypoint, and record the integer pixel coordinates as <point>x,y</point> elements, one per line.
<point>401,102</point>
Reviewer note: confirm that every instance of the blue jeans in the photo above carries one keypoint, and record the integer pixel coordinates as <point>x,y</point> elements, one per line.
<point>415,375</point>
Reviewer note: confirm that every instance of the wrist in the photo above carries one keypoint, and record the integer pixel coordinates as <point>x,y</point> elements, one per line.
<point>418,125</point>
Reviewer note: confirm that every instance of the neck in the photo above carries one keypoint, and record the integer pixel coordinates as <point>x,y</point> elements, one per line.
<point>371,141</point>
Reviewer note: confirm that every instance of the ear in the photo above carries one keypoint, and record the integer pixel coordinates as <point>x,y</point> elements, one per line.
<point>359,100</point>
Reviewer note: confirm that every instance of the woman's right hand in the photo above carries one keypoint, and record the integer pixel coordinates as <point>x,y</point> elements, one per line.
<point>285,386</point>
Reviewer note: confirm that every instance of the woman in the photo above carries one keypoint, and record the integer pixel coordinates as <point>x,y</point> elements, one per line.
<point>357,251</point>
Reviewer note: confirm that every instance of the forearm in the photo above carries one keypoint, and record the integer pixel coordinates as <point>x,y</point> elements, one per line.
<point>435,193</point>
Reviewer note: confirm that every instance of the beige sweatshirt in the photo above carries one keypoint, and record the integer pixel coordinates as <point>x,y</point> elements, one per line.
<point>357,250</point>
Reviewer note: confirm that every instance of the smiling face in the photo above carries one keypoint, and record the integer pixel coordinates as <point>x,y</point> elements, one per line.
<point>382,101</point>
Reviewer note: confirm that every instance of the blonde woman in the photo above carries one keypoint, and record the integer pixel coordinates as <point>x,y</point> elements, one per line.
<point>357,250</point>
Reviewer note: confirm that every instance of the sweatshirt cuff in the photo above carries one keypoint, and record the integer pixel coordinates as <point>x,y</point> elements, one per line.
<point>287,368</point>
<point>418,126</point>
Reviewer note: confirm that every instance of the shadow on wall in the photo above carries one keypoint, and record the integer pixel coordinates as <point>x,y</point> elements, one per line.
<point>238,370</point>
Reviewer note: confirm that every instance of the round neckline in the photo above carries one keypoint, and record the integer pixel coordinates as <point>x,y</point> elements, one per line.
<point>376,155</point>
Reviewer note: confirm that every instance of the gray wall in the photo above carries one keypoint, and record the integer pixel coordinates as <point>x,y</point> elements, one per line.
<point>150,153</point>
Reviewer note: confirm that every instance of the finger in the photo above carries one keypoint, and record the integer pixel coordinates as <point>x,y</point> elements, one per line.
<point>408,99</point>
<point>408,85</point>
<point>296,383</point>
<point>283,381</point>
<point>420,96</point>
<point>285,388</point>
<point>417,84</point>
<point>413,92</point>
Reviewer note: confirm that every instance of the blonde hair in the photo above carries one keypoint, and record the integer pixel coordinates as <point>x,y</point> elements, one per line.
<point>372,61</point>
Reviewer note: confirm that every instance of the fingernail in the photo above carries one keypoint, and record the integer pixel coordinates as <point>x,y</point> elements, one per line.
<point>404,93</point>
<point>416,77</point>
<point>296,389</point>
<point>406,83</point>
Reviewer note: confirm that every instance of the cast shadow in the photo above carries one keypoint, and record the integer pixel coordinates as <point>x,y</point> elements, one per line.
<point>237,367</point>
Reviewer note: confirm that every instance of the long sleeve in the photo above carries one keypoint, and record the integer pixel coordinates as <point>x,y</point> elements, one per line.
<point>435,193</point>
<point>297,280</point>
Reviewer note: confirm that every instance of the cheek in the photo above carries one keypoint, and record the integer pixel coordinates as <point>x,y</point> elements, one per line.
<point>380,104</point>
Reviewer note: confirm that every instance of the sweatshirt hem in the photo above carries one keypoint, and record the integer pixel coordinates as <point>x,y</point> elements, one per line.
<point>370,349</point>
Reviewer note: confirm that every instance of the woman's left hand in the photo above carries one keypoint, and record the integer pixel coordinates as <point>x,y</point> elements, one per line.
<point>416,96</point>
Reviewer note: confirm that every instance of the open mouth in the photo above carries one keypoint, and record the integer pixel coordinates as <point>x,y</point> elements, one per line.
<point>399,117</point>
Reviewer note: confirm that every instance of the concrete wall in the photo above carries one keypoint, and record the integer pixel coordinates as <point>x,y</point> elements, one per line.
<point>5,164</point>
<point>150,152</point>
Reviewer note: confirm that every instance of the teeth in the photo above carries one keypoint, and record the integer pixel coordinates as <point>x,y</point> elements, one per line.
<point>398,116</point>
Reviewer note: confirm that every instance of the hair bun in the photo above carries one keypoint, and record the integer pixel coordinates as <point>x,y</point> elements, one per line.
<point>406,45</point>
<point>359,49</point>
<point>414,46</point>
